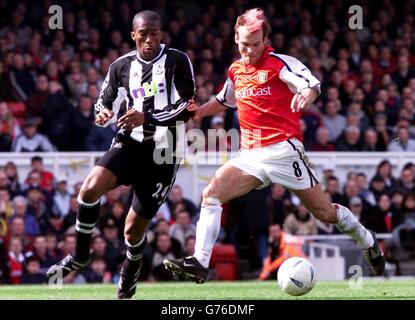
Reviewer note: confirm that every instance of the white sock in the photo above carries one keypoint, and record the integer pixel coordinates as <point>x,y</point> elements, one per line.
<point>207,231</point>
<point>348,224</point>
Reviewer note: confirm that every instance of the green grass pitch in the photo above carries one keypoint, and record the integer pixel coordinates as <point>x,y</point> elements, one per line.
<point>249,290</point>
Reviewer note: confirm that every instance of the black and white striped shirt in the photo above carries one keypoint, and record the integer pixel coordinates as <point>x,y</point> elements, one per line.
<point>160,88</point>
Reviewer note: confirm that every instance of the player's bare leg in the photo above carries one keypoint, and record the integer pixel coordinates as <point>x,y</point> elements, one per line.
<point>99,181</point>
<point>135,241</point>
<point>315,200</point>
<point>228,183</point>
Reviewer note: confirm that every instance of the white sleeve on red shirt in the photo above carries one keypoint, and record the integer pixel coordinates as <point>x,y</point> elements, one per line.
<point>296,75</point>
<point>227,95</point>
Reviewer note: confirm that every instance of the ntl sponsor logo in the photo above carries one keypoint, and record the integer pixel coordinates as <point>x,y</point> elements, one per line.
<point>148,89</point>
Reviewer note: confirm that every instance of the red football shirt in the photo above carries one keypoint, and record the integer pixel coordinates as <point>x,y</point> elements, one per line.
<point>262,94</point>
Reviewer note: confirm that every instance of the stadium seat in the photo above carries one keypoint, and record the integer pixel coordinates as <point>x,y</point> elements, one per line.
<point>17,108</point>
<point>225,262</point>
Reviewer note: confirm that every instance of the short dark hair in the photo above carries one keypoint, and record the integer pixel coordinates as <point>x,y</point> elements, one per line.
<point>332,178</point>
<point>189,238</point>
<point>147,15</point>
<point>36,158</point>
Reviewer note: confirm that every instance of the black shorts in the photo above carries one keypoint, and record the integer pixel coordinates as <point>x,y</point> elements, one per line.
<point>134,165</point>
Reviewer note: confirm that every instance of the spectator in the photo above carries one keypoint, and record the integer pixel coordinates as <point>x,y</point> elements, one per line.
<point>402,142</point>
<point>114,246</point>
<point>371,142</point>
<point>406,181</point>
<point>363,189</point>
<point>380,218</point>
<point>300,222</point>
<point>41,253</point>
<point>219,141</point>
<point>32,273</point>
<point>16,260</point>
<point>57,118</point>
<point>407,210</point>
<point>384,170</point>
<point>397,198</point>
<point>47,180</point>
<point>52,245</point>
<point>97,272</point>
<point>176,197</point>
<point>332,187</point>
<point>182,228</point>
<point>117,214</point>
<point>6,206</point>
<point>282,246</point>
<point>324,227</point>
<point>356,207</point>
<point>162,226</point>
<point>37,206</point>
<point>21,79</point>
<point>68,244</point>
<point>99,249</point>
<point>403,73</point>
<point>70,219</point>
<point>9,127</point>
<point>30,140</point>
<point>5,88</point>
<point>163,251</point>
<point>384,132</point>
<point>350,140</point>
<point>76,80</point>
<point>13,184</point>
<point>4,266</point>
<point>16,229</point>
<point>20,210</point>
<point>322,141</point>
<point>189,246</point>
<point>61,199</point>
<point>100,139</point>
<point>54,225</point>
<point>333,121</point>
<point>377,187</point>
<point>83,121</point>
<point>313,121</point>
<point>279,202</point>
<point>37,100</point>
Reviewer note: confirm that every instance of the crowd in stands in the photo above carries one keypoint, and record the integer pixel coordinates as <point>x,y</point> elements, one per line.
<point>50,80</point>
<point>38,215</point>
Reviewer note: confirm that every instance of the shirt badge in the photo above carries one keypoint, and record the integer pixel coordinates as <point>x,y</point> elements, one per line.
<point>262,76</point>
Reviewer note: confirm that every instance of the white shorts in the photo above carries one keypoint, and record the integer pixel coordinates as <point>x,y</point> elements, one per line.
<point>284,163</point>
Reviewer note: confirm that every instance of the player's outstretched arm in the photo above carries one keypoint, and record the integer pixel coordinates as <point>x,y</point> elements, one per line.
<point>209,108</point>
<point>303,99</point>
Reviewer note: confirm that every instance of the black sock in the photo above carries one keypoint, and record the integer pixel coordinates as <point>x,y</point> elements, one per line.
<point>135,251</point>
<point>85,223</point>
<point>133,262</point>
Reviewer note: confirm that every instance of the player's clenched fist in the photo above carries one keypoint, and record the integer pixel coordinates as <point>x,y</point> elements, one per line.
<point>303,99</point>
<point>298,103</point>
<point>103,116</point>
<point>133,118</point>
<point>193,107</point>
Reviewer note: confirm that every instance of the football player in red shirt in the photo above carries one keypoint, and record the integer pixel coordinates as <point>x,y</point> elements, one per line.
<point>269,90</point>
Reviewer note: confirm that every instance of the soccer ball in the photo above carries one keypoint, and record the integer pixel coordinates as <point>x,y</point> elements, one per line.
<point>296,276</point>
